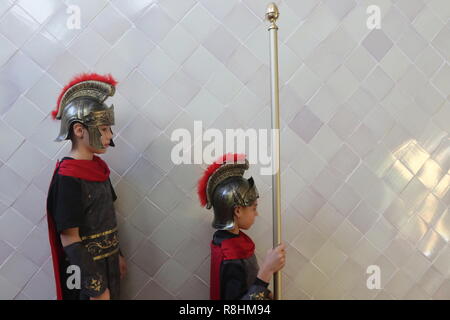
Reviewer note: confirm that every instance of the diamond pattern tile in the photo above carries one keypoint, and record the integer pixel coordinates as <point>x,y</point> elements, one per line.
<point>366,149</point>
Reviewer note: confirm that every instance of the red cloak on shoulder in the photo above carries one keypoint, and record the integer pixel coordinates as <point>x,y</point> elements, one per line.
<point>240,247</point>
<point>90,170</point>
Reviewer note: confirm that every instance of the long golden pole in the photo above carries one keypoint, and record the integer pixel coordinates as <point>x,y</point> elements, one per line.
<point>272,14</point>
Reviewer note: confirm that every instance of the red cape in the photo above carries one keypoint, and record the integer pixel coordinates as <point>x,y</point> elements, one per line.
<point>240,247</point>
<point>91,170</point>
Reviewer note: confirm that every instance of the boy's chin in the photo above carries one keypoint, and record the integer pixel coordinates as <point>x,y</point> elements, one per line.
<point>100,151</point>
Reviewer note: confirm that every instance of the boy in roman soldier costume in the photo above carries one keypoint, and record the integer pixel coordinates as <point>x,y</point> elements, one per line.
<point>235,273</point>
<point>80,211</point>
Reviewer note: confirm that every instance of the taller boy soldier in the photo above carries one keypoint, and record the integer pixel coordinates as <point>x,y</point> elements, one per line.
<point>80,211</point>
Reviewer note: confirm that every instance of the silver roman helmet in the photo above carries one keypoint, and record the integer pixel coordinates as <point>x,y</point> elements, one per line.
<point>82,100</point>
<point>223,188</point>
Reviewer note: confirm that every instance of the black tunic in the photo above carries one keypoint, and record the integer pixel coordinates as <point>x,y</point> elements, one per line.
<point>88,205</point>
<point>238,277</point>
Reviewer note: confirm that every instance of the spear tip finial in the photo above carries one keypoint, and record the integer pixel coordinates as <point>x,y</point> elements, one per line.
<point>272,12</point>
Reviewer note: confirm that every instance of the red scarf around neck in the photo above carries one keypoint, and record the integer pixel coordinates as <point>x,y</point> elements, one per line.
<point>91,170</point>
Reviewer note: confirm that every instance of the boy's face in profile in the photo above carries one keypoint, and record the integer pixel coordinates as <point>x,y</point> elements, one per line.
<point>245,216</point>
<point>107,135</point>
<point>83,137</point>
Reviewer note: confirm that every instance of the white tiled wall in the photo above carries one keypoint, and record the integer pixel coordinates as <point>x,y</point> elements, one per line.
<point>365,140</point>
